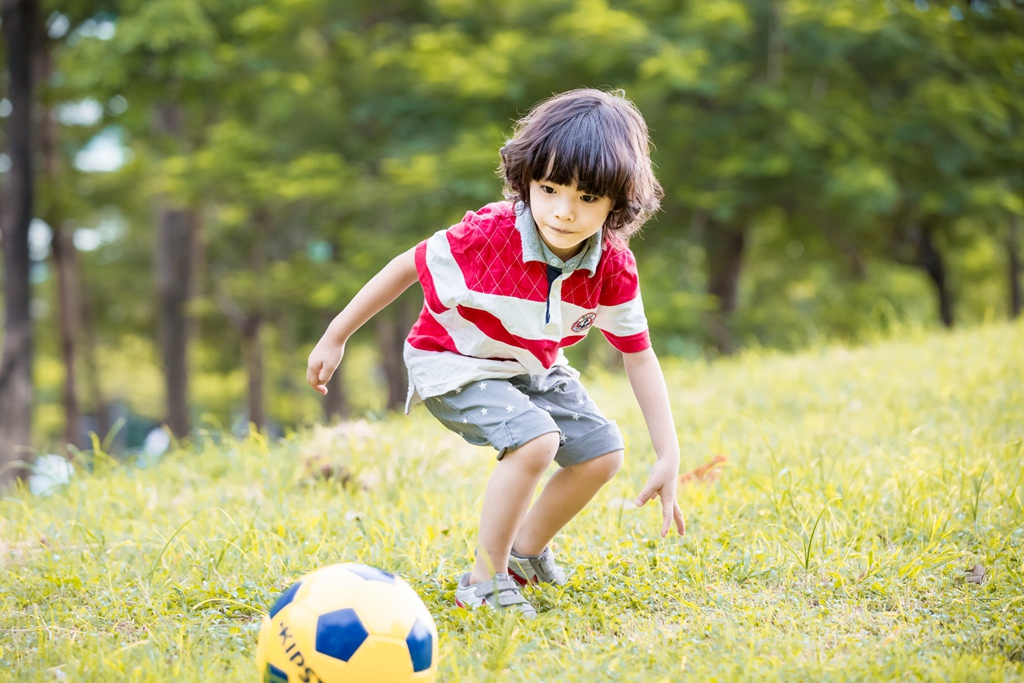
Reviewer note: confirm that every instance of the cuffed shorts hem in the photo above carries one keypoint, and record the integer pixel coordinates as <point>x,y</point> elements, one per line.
<point>593,444</point>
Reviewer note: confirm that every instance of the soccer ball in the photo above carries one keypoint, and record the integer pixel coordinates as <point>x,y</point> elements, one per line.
<point>348,623</point>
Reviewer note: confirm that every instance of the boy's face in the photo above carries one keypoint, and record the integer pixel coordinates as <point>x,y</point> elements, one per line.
<point>566,217</point>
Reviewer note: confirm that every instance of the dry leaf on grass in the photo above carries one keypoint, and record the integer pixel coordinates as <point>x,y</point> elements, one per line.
<point>708,473</point>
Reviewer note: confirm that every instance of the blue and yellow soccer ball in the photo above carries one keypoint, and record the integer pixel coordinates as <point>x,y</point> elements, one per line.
<point>348,623</point>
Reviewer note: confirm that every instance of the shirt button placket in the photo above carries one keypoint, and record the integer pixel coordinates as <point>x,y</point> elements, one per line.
<point>554,326</point>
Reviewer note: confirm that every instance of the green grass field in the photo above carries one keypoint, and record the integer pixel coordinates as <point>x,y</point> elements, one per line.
<point>862,486</point>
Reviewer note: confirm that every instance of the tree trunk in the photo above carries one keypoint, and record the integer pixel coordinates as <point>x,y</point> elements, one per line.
<point>250,327</point>
<point>1014,263</point>
<point>64,259</point>
<point>336,403</point>
<point>847,248</point>
<point>100,407</point>
<point>391,333</point>
<point>724,245</point>
<point>20,19</point>
<point>68,314</point>
<point>176,228</point>
<point>776,48</point>
<point>252,349</point>
<point>249,323</point>
<point>930,259</point>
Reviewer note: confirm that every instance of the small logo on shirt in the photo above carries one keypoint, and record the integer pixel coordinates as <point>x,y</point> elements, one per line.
<point>584,322</point>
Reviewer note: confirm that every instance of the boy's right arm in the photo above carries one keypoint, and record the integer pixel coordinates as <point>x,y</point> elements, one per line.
<point>382,289</point>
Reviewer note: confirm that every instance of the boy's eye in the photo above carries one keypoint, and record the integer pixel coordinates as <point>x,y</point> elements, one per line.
<point>589,198</point>
<point>547,189</point>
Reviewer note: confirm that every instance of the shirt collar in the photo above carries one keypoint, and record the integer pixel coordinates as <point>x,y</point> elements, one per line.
<point>534,248</point>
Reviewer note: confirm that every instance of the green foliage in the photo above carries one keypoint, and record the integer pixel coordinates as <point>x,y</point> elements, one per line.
<point>863,485</point>
<point>322,137</point>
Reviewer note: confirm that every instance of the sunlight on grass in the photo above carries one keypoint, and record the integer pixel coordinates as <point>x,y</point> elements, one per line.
<point>862,486</point>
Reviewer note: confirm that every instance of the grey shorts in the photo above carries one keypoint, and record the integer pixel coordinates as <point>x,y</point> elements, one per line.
<point>507,413</point>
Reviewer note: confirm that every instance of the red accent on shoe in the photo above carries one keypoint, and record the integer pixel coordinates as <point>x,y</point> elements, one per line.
<point>518,579</point>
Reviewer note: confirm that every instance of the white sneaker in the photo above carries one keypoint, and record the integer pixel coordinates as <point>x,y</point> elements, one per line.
<point>500,592</point>
<point>535,568</point>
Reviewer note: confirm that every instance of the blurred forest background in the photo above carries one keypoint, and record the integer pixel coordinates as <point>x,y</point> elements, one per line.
<point>193,188</point>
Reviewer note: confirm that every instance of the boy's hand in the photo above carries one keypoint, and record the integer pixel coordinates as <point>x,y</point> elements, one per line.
<point>662,483</point>
<point>323,361</point>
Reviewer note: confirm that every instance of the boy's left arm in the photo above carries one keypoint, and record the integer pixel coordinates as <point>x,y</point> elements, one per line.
<point>648,383</point>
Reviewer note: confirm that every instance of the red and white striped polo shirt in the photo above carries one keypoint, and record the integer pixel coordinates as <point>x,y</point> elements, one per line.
<point>497,306</point>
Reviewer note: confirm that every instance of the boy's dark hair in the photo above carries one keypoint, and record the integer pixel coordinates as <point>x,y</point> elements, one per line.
<point>595,139</point>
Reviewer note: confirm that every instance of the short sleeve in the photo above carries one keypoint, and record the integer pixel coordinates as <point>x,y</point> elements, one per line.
<point>620,312</point>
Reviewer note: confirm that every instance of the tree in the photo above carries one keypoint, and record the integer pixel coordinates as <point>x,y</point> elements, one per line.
<point>163,58</point>
<point>805,148</point>
<point>950,129</point>
<point>20,28</point>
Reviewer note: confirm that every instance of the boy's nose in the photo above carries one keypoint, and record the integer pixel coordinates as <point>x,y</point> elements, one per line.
<point>563,211</point>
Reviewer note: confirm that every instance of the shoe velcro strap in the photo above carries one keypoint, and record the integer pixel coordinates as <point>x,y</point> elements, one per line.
<point>540,568</point>
<point>510,598</point>
<point>505,590</point>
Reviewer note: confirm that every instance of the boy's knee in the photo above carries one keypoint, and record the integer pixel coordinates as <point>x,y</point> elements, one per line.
<point>606,466</point>
<point>538,453</point>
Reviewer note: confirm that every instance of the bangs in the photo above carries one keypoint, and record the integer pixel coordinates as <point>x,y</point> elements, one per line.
<point>584,151</point>
<point>594,140</point>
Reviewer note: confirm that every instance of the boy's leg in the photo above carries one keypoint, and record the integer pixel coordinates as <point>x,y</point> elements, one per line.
<point>506,500</point>
<point>566,493</point>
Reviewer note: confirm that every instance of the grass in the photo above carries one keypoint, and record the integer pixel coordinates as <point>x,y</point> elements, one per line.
<point>862,486</point>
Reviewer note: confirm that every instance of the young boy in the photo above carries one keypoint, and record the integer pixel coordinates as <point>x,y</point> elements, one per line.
<point>505,290</point>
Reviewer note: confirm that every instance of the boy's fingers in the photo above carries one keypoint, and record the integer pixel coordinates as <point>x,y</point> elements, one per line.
<point>317,376</point>
<point>644,496</point>
<point>668,513</point>
<point>680,520</point>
